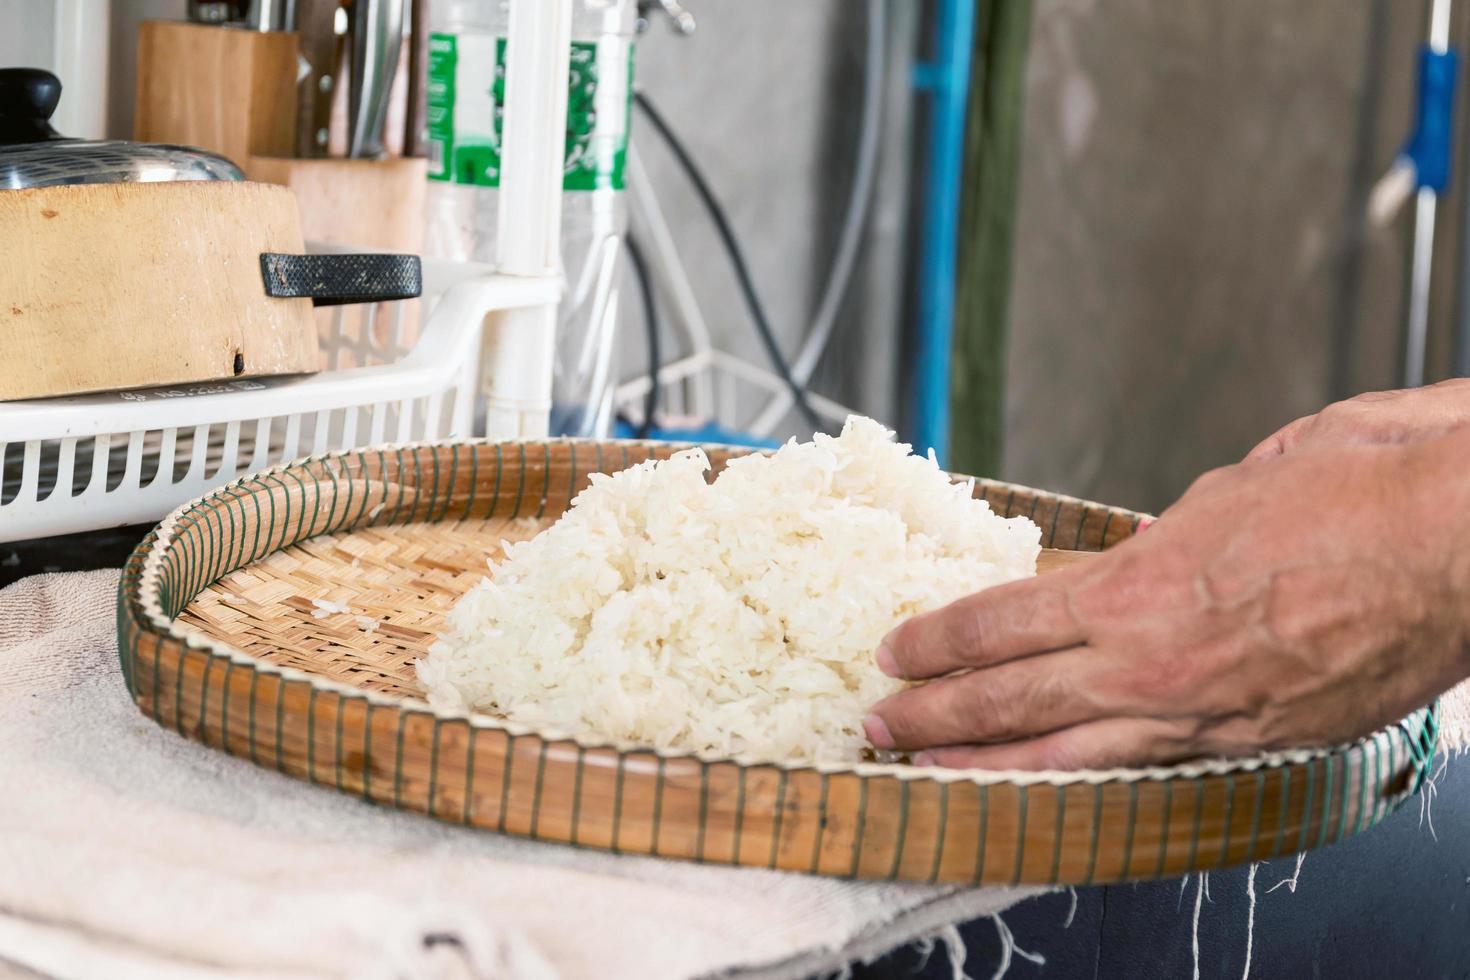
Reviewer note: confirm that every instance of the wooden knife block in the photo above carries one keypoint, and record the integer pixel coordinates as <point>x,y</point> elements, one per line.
<point>222,89</point>
<point>376,204</point>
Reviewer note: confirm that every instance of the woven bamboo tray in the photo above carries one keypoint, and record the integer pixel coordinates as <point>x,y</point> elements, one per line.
<point>222,639</point>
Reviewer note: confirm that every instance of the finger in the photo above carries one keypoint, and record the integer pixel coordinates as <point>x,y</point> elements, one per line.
<point>1279,442</point>
<point>1111,744</point>
<point>1015,700</point>
<point>990,627</point>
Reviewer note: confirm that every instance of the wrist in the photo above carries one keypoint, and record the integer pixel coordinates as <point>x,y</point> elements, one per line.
<point>1437,476</point>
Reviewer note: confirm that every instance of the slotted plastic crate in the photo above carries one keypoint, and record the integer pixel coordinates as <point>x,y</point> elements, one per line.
<point>117,458</point>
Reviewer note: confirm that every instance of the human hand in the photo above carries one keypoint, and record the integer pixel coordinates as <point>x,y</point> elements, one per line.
<point>1375,417</point>
<point>1300,604</point>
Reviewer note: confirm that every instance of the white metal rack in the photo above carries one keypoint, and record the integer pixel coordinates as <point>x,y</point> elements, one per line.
<point>111,459</point>
<point>104,460</point>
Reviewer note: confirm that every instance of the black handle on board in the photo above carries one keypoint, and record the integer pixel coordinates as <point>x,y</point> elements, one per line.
<point>334,280</point>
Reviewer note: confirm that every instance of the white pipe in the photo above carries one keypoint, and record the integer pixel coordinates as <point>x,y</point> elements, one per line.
<point>521,346</point>
<point>538,50</point>
<point>1421,263</point>
<point>1439,26</point>
<point>1419,273</point>
<point>80,56</point>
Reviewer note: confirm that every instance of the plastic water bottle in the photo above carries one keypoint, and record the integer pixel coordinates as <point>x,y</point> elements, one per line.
<point>466,98</point>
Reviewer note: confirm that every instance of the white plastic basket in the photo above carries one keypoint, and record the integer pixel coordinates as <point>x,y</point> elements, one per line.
<point>118,458</point>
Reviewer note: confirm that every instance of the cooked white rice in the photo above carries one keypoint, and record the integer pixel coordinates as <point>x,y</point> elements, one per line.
<point>737,617</point>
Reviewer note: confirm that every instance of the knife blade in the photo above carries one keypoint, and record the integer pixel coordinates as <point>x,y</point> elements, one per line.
<point>321,52</point>
<point>377,36</point>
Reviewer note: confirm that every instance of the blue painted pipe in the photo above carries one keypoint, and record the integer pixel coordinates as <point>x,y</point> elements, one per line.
<point>947,80</point>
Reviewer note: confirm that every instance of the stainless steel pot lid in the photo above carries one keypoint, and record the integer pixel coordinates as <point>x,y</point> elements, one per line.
<point>32,154</point>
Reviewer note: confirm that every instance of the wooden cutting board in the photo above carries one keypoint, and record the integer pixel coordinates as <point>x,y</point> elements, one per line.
<point>116,286</point>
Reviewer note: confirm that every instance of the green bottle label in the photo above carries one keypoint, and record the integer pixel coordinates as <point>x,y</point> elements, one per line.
<point>466,110</point>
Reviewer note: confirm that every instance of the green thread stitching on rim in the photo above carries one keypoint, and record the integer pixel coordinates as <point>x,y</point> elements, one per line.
<point>1023,802</point>
<point>285,523</point>
<point>398,761</point>
<point>704,811</point>
<point>1056,847</point>
<point>1308,805</point>
<point>1132,828</point>
<point>577,794</point>
<point>303,531</point>
<point>521,487</point>
<point>401,475</point>
<point>1081,526</point>
<point>1386,803</point>
<point>1363,783</point>
<point>280,723</point>
<point>236,539</point>
<point>311,736</point>
<point>984,824</point>
<point>1281,811</point>
<point>739,813</point>
<point>499,469</point>
<point>1096,834</point>
<point>434,490</point>
<point>367,749</point>
<point>1256,814</point>
<point>1342,810</point>
<point>1051,536</point>
<point>821,826</point>
<point>1010,500</point>
<point>658,807</point>
<point>943,827</point>
<point>1102,543</point>
<point>903,825</point>
<point>250,718</point>
<point>337,749</point>
<point>858,828</point>
<point>780,807</point>
<point>469,504</point>
<point>1229,820</point>
<point>157,656</point>
<point>1168,811</point>
<point>348,521</point>
<point>179,690</point>
<point>204,700</point>
<point>1329,764</point>
<point>545,480</point>
<point>510,757</point>
<point>615,847</point>
<point>224,711</point>
<point>472,736</point>
<point>1199,807</point>
<point>536,792</point>
<point>434,765</point>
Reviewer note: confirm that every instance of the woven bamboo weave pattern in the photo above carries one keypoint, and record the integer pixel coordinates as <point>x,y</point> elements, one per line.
<point>232,631</point>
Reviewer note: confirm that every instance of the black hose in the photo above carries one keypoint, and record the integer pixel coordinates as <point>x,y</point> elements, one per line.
<point>737,258</point>
<point>650,323</point>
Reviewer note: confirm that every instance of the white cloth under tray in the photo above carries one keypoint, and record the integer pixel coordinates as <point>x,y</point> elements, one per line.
<point>126,851</point>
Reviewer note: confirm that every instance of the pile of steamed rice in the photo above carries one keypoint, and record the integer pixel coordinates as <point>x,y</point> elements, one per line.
<point>738,617</point>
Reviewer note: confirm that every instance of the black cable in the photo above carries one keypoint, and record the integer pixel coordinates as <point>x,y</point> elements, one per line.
<point>650,322</point>
<point>737,258</point>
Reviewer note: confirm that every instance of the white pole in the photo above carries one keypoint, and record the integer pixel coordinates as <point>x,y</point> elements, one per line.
<point>1421,262</point>
<point>82,30</point>
<point>522,345</point>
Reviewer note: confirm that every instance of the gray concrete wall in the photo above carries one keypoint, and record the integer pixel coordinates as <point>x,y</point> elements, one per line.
<point>1191,266</point>
<point>766,93</point>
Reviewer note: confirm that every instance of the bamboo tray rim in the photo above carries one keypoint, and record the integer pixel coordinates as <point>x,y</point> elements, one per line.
<point>155,621</point>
